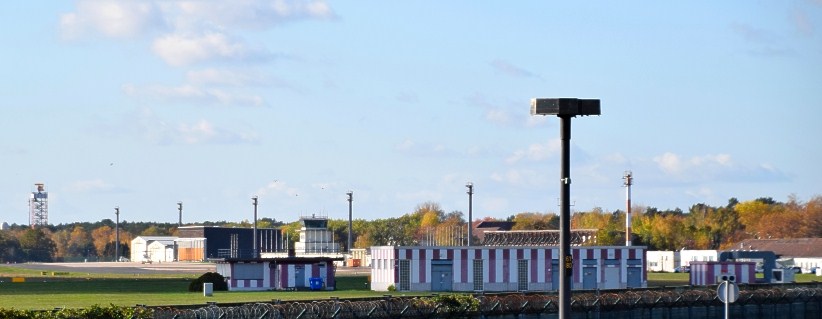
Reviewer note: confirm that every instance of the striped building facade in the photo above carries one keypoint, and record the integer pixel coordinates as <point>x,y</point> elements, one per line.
<point>704,273</point>
<point>277,273</point>
<point>485,268</point>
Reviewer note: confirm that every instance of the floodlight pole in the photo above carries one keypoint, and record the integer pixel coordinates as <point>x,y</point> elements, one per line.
<point>180,211</point>
<point>254,202</point>
<point>470,192</point>
<point>350,201</point>
<point>117,234</point>
<point>566,268</point>
<point>565,109</point>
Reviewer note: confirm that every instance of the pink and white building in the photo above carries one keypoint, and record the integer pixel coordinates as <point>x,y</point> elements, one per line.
<point>705,273</point>
<point>292,273</point>
<point>487,268</point>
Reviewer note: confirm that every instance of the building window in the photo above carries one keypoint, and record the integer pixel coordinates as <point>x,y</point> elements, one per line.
<point>478,279</point>
<point>405,275</point>
<point>522,275</point>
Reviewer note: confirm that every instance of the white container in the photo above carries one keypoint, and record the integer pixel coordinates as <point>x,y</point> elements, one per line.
<point>208,289</point>
<point>819,271</point>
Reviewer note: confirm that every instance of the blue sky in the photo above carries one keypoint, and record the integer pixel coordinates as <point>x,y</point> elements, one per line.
<point>141,104</point>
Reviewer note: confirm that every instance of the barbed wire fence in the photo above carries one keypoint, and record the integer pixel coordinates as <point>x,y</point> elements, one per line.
<point>756,302</point>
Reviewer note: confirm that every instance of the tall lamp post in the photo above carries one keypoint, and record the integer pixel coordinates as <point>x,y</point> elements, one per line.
<point>254,202</point>
<point>350,201</point>
<point>180,211</point>
<point>565,109</point>
<point>629,180</point>
<point>117,234</point>
<point>470,192</point>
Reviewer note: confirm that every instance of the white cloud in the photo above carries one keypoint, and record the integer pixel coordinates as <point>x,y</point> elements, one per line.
<point>498,116</point>
<point>203,132</point>
<point>509,69</point>
<point>180,49</point>
<point>193,31</point>
<point>194,94</point>
<point>520,177</point>
<point>277,187</point>
<point>536,152</point>
<point>147,124</point>
<point>212,76</point>
<point>247,13</point>
<point>719,167</point>
<point>115,19</point>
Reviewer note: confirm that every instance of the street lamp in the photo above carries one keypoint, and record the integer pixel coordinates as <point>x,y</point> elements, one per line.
<point>565,109</point>
<point>254,202</point>
<point>350,200</point>
<point>117,234</point>
<point>470,207</point>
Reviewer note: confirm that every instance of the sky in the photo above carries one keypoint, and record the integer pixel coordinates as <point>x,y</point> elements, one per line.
<point>143,104</point>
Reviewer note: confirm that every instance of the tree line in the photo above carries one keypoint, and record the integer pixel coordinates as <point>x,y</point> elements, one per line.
<point>701,227</point>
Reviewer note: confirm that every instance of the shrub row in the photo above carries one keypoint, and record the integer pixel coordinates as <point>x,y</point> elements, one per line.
<point>93,312</point>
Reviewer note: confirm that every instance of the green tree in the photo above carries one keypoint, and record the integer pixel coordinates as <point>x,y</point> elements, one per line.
<point>37,245</point>
<point>9,248</point>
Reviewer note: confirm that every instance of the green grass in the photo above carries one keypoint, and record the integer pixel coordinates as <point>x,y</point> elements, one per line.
<point>48,293</point>
<point>7,272</point>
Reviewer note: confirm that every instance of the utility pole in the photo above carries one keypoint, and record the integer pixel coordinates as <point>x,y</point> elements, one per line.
<point>629,179</point>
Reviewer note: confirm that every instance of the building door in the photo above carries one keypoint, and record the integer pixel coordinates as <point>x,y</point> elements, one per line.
<point>634,277</point>
<point>555,274</point>
<point>589,277</point>
<point>611,279</point>
<point>299,276</point>
<point>442,274</point>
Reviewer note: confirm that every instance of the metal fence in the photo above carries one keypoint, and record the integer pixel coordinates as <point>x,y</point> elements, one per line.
<point>753,302</point>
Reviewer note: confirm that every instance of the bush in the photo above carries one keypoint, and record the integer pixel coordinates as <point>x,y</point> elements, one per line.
<point>218,280</point>
<point>392,288</point>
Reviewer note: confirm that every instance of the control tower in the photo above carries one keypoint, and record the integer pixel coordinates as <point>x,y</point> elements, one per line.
<point>39,206</point>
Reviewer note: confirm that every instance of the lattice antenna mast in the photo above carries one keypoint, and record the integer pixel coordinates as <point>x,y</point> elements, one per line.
<point>39,206</point>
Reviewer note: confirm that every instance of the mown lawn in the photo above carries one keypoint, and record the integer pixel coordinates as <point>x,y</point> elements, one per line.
<point>48,293</point>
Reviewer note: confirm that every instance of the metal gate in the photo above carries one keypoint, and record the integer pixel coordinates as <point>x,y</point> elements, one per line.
<point>442,274</point>
<point>522,275</point>
<point>405,275</point>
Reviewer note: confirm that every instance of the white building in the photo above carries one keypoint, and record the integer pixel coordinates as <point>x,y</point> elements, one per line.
<point>140,246</point>
<point>686,256</point>
<point>160,251</point>
<point>662,260</point>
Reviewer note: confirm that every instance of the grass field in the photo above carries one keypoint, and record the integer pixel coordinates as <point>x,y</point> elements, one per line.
<point>69,292</point>
<point>76,290</point>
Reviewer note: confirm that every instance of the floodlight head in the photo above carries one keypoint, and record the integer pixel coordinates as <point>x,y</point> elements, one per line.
<point>565,107</point>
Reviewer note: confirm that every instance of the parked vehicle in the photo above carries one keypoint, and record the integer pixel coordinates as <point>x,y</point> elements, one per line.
<point>685,269</point>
